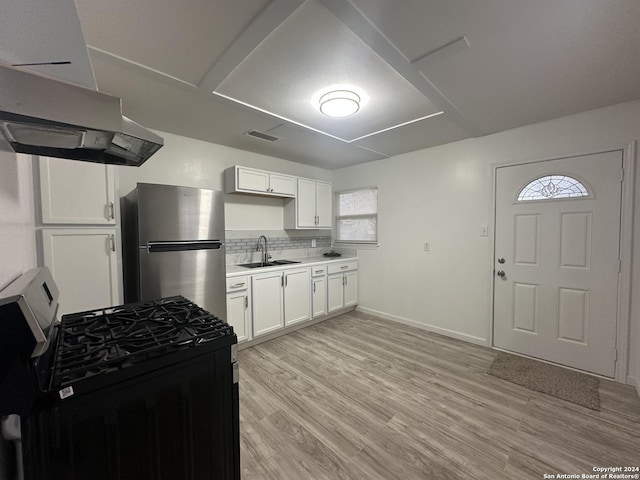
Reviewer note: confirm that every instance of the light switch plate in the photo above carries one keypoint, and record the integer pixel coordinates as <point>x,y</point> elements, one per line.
<point>484,231</point>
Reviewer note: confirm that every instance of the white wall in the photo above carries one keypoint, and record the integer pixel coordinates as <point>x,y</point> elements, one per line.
<point>194,163</point>
<point>17,225</point>
<point>442,195</point>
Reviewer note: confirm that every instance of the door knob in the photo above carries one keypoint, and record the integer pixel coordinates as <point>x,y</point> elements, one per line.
<point>500,273</point>
<point>501,260</point>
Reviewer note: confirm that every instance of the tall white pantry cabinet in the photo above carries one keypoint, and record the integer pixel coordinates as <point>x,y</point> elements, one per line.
<point>78,236</point>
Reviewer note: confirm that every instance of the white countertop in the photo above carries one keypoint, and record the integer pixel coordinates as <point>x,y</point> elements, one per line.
<point>236,270</point>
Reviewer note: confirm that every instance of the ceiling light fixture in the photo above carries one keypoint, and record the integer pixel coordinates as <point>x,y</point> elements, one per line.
<point>339,103</point>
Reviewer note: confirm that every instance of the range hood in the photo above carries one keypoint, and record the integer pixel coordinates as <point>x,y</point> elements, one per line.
<point>43,116</point>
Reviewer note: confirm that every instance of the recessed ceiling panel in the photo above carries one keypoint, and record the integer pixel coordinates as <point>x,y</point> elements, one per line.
<point>415,136</point>
<point>528,61</point>
<point>164,104</point>
<point>312,53</point>
<point>181,39</point>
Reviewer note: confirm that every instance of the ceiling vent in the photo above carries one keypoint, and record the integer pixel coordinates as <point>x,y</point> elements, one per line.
<point>262,135</point>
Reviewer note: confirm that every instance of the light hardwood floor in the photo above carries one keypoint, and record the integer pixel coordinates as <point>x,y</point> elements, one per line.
<point>358,397</point>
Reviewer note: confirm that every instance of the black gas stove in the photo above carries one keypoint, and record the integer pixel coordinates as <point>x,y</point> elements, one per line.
<point>111,339</point>
<point>138,391</point>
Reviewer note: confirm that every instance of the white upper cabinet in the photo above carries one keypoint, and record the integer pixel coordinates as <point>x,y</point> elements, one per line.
<point>77,192</point>
<point>312,207</point>
<point>324,196</point>
<point>306,204</point>
<point>249,180</point>
<point>282,184</point>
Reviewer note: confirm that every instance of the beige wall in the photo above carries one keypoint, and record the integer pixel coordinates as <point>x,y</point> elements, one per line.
<point>442,195</point>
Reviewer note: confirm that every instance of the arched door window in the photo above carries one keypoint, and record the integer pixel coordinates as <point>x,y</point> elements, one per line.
<point>551,187</point>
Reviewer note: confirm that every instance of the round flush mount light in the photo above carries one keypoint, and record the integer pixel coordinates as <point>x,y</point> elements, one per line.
<point>339,103</point>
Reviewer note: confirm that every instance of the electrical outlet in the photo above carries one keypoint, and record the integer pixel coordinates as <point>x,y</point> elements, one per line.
<point>427,247</point>
<point>313,242</point>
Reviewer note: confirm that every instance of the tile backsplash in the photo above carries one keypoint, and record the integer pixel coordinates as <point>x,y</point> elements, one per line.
<point>244,245</point>
<point>241,244</point>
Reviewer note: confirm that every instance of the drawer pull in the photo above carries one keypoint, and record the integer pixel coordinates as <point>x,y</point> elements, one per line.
<point>319,271</point>
<point>344,268</point>
<point>237,285</point>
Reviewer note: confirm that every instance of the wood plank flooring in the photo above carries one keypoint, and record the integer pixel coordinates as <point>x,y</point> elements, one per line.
<point>358,397</point>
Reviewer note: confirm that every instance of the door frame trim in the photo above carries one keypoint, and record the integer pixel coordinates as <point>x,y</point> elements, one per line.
<point>629,153</point>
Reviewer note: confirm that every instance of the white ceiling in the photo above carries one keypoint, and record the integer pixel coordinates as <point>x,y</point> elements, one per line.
<point>488,65</point>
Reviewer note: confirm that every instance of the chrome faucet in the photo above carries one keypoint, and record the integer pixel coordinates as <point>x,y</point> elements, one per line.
<point>265,251</point>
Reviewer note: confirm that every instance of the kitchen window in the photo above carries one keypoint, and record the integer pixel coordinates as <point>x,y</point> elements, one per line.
<point>357,216</point>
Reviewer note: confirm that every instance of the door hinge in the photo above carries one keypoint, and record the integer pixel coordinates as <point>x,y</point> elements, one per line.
<point>619,266</point>
<point>615,354</point>
<point>622,174</point>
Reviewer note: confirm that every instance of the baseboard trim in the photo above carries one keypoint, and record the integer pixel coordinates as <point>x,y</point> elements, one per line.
<point>293,328</point>
<point>635,382</point>
<point>424,326</point>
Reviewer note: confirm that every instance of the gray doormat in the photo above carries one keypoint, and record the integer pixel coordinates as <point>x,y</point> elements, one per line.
<point>574,387</point>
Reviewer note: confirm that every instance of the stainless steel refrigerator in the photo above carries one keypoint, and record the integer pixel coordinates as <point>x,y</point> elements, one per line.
<point>173,244</point>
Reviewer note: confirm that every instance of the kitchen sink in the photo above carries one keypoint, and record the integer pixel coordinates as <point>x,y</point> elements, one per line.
<point>275,263</point>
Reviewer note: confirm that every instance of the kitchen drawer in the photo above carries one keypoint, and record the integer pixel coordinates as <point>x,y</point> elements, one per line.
<point>342,267</point>
<point>318,270</point>
<point>235,284</point>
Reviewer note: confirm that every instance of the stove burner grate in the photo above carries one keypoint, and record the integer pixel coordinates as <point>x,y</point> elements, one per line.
<point>105,340</point>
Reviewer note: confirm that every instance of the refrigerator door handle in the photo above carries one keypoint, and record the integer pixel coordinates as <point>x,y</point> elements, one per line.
<point>184,245</point>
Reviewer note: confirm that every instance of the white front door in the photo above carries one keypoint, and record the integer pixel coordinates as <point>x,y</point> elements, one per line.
<point>556,260</point>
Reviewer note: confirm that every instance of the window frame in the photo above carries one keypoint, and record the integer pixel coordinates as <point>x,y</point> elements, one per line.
<point>337,218</point>
<point>590,193</point>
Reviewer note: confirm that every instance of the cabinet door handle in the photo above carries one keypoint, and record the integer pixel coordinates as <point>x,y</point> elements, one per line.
<point>246,302</point>
<point>111,213</point>
<point>314,287</point>
<point>285,280</point>
<point>237,285</point>
<point>112,242</point>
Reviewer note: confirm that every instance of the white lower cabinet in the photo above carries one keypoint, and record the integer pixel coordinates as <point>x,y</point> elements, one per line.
<point>263,303</point>
<point>268,305</point>
<point>342,286</point>
<point>319,291</point>
<point>84,263</point>
<point>297,296</point>
<point>335,292</point>
<point>239,307</point>
<point>350,289</point>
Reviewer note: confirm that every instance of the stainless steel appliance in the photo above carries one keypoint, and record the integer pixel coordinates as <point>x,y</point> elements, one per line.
<point>173,245</point>
<point>44,116</point>
<point>139,391</point>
